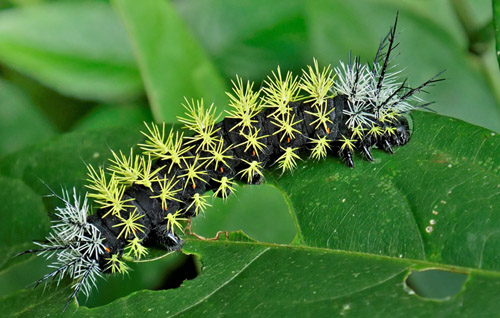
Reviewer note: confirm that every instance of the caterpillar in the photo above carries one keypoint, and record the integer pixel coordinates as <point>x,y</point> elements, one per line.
<point>143,200</point>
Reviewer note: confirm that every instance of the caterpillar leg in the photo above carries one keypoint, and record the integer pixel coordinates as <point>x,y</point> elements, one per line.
<point>386,145</point>
<point>365,151</point>
<point>396,135</point>
<point>346,156</point>
<point>163,238</point>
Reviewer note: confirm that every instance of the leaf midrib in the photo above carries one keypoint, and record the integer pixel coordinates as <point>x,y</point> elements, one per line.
<point>414,262</point>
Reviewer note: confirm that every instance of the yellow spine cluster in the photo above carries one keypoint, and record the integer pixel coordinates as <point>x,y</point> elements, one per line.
<point>127,170</point>
<point>245,104</point>
<point>194,172</point>
<point>115,265</point>
<point>280,93</point>
<point>321,146</point>
<point>347,143</point>
<point>287,161</point>
<point>130,226</point>
<point>323,117</point>
<point>167,191</point>
<point>358,132</point>
<point>225,185</point>
<point>200,120</point>
<point>173,221</point>
<point>108,194</point>
<point>252,142</point>
<point>218,155</point>
<point>286,126</point>
<point>159,145</point>
<point>135,248</point>
<point>375,130</point>
<point>254,168</point>
<point>199,203</point>
<point>156,142</point>
<point>146,175</point>
<point>318,84</point>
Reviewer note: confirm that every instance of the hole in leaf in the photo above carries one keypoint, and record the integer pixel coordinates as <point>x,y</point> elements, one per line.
<point>261,212</point>
<point>165,273</point>
<point>435,283</point>
<point>187,271</point>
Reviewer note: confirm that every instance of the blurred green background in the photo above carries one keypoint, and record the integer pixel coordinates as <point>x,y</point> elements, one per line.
<point>73,66</point>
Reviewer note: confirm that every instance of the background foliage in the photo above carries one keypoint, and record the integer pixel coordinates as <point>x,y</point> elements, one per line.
<point>79,77</point>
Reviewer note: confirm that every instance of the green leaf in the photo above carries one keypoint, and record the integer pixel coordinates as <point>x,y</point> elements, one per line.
<point>172,64</point>
<point>60,163</point>
<point>250,38</point>
<point>77,49</point>
<point>362,231</point>
<point>496,22</point>
<point>62,111</point>
<point>256,279</point>
<point>23,219</point>
<point>40,302</point>
<point>20,120</point>
<point>105,116</point>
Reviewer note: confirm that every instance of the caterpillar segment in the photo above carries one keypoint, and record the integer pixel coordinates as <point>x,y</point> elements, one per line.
<point>144,199</point>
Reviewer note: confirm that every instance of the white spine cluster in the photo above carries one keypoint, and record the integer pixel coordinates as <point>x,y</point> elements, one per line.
<point>372,93</point>
<point>354,80</point>
<point>74,245</point>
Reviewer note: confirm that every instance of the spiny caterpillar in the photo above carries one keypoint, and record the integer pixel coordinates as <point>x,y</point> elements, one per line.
<point>143,200</point>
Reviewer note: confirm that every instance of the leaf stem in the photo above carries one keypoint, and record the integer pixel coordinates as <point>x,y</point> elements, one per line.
<point>479,44</point>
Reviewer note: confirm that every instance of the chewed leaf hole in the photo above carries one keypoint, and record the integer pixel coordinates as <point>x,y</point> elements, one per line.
<point>165,273</point>
<point>435,283</point>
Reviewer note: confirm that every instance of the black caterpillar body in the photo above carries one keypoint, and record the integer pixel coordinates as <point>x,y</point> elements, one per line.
<point>144,200</point>
<point>154,223</point>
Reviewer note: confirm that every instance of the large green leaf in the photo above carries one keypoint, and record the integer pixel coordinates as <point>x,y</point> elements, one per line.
<point>78,49</point>
<point>361,232</point>
<point>261,280</point>
<point>20,119</point>
<point>62,111</point>
<point>171,62</point>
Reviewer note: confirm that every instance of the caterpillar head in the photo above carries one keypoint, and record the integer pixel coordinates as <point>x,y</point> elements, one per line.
<point>74,246</point>
<point>402,135</point>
